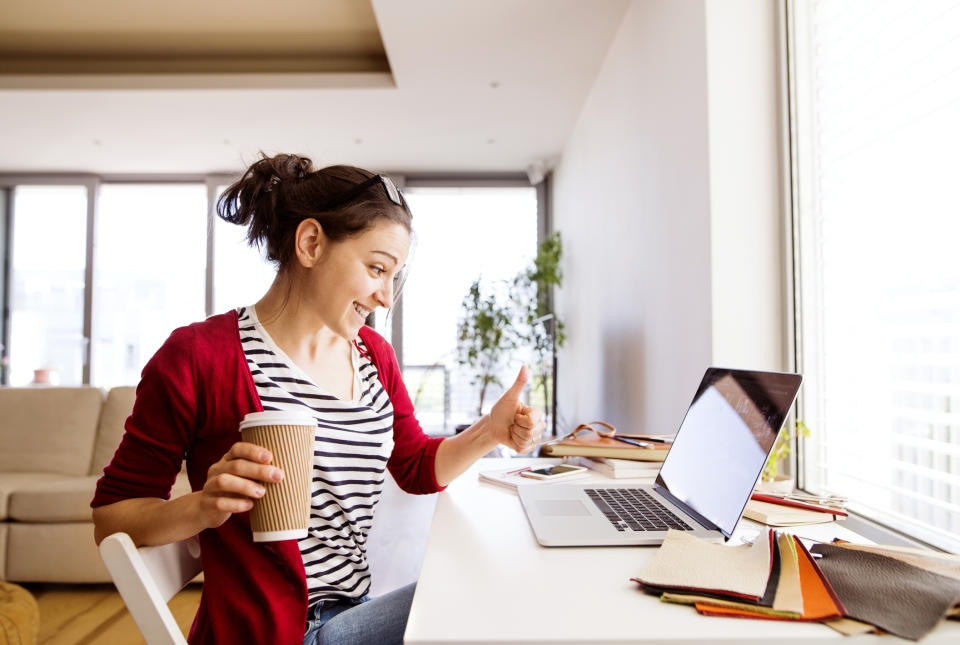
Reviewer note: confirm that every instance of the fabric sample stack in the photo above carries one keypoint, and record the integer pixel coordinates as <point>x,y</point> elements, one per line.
<point>851,588</point>
<point>905,594</point>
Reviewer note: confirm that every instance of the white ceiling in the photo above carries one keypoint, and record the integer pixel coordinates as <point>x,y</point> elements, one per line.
<point>487,85</point>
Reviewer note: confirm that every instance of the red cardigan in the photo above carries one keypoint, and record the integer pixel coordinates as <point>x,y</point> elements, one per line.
<point>190,400</point>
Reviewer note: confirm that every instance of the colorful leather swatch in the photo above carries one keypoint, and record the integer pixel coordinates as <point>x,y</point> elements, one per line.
<point>819,600</point>
<point>945,565</point>
<point>897,597</point>
<point>852,588</point>
<point>789,596</point>
<point>712,602</point>
<point>888,548</point>
<point>686,563</point>
<point>763,605</point>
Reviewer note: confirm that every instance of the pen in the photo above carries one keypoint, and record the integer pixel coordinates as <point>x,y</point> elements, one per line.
<point>519,470</point>
<point>633,442</point>
<point>657,439</point>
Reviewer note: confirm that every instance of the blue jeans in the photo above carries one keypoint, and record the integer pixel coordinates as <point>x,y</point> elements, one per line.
<point>362,620</point>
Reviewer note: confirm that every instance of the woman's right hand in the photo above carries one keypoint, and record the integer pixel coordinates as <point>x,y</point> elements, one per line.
<point>234,482</point>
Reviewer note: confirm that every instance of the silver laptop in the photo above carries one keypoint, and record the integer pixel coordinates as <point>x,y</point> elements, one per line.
<point>704,483</point>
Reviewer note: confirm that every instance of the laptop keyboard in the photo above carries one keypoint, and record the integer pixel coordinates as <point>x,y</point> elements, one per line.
<point>634,509</point>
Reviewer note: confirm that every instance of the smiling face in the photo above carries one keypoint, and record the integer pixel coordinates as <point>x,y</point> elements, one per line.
<point>353,277</point>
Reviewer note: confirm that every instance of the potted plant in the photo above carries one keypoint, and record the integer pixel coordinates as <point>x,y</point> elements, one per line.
<point>517,316</point>
<point>771,479</point>
<point>539,328</point>
<point>485,338</point>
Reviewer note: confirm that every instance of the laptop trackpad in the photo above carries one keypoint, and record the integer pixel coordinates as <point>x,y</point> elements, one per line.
<point>562,507</point>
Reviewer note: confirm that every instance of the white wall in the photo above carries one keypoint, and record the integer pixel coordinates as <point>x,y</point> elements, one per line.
<point>666,197</point>
<point>632,203</point>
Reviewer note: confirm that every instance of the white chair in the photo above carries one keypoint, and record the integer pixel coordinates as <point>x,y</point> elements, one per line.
<point>147,578</point>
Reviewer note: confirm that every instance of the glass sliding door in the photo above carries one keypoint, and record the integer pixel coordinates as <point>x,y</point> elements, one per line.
<point>47,266</point>
<point>461,234</point>
<point>241,273</point>
<point>149,267</point>
<point>151,271</point>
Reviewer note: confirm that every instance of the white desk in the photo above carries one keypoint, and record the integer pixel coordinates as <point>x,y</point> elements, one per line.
<point>486,580</point>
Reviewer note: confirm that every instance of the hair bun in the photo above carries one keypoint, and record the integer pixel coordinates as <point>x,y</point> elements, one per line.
<point>254,197</point>
<point>282,167</point>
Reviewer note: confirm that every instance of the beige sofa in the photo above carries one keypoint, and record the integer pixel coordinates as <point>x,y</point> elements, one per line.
<point>54,443</point>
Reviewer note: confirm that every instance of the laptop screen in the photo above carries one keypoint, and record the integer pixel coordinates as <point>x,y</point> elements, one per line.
<point>723,442</point>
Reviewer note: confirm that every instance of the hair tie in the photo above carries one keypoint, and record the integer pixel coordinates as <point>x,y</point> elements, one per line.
<point>274,180</point>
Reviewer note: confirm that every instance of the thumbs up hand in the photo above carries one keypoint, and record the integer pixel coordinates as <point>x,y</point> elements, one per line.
<point>514,424</point>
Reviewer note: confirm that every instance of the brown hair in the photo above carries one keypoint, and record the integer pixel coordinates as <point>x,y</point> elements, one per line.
<point>276,193</point>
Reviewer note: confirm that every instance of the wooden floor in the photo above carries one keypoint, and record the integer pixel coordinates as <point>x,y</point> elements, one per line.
<point>95,614</point>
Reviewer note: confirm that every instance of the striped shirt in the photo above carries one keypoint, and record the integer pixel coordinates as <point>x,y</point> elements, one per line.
<point>351,446</point>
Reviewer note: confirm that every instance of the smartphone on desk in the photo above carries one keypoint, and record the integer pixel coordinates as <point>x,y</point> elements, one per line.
<point>553,472</point>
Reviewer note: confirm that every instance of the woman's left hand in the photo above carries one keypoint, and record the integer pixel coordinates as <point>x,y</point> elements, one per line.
<point>514,424</point>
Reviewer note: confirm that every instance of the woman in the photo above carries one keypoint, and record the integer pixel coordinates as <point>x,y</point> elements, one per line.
<point>340,237</point>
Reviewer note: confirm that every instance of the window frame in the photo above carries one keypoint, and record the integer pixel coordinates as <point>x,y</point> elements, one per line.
<point>466,180</point>
<point>6,247</point>
<point>796,165</point>
<point>93,182</point>
<point>791,210</point>
<point>543,193</point>
<point>9,181</point>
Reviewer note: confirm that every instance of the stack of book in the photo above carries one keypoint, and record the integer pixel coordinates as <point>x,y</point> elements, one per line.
<point>636,447</point>
<point>853,589</point>
<point>793,509</point>
<point>621,468</point>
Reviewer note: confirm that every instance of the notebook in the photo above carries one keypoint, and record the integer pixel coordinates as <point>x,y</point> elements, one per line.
<point>704,483</point>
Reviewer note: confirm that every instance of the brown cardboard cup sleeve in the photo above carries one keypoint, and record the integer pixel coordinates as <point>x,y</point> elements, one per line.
<point>284,510</point>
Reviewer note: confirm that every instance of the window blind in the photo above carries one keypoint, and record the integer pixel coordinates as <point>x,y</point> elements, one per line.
<point>876,122</point>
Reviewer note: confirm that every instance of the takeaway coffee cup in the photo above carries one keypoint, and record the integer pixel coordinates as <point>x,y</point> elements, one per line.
<point>283,511</point>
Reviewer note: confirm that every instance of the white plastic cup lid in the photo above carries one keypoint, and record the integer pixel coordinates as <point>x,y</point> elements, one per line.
<point>277,418</point>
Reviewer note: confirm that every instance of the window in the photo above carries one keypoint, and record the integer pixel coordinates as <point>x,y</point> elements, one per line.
<point>877,90</point>
<point>241,274</point>
<point>461,233</point>
<point>150,269</point>
<point>47,266</point>
<point>149,265</point>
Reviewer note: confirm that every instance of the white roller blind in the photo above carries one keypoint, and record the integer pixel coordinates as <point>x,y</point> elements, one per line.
<point>877,128</point>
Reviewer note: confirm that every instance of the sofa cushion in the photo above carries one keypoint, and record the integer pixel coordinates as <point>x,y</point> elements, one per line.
<point>63,552</point>
<point>10,482</point>
<point>48,429</point>
<point>66,499</point>
<point>116,409</point>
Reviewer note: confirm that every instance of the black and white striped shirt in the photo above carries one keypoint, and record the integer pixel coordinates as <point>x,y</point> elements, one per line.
<point>351,446</point>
